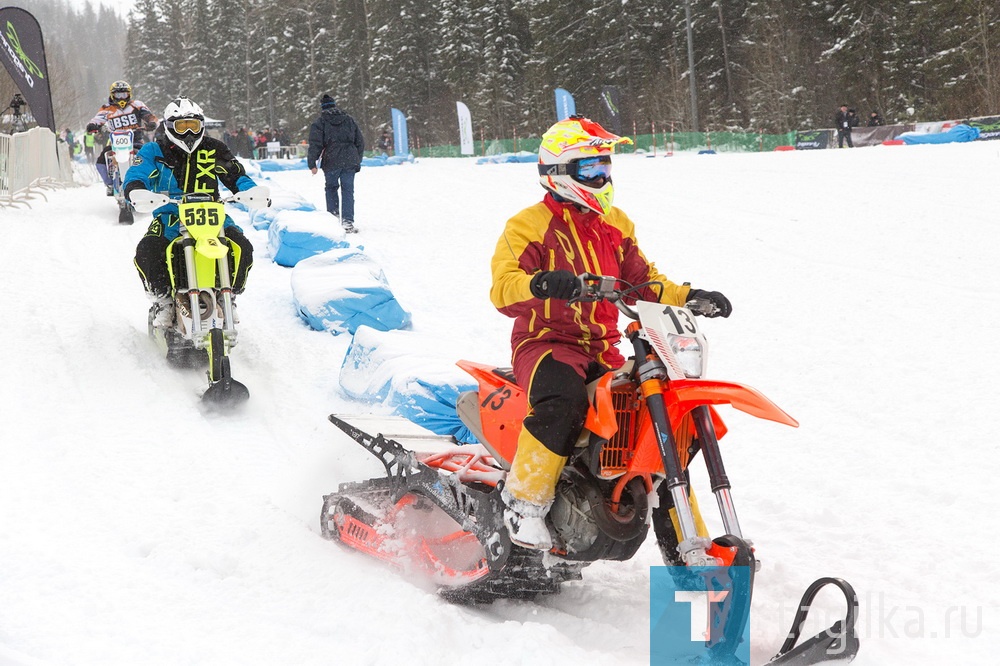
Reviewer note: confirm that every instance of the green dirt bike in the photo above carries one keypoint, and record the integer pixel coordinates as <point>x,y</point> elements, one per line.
<point>204,326</point>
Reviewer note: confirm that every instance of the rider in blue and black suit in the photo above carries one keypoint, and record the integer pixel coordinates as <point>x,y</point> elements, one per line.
<point>182,161</point>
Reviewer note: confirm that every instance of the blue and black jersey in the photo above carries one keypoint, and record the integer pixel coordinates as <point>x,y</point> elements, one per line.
<point>162,167</point>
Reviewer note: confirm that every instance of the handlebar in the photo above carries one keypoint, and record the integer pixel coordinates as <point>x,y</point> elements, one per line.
<point>146,201</point>
<point>604,288</point>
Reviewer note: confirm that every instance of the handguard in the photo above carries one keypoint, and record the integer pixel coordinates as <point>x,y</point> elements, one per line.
<point>258,196</point>
<point>146,201</point>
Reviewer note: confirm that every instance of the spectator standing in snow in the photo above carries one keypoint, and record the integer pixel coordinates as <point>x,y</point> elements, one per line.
<point>875,120</point>
<point>337,143</point>
<point>88,145</point>
<point>843,122</point>
<point>384,143</point>
<point>242,144</point>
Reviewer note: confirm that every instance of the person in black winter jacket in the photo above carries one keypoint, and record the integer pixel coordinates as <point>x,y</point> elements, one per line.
<point>844,123</point>
<point>336,141</point>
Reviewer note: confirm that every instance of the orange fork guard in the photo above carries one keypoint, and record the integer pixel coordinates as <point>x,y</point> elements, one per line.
<point>685,394</point>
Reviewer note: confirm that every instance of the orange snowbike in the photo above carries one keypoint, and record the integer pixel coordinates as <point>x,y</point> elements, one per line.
<point>439,512</point>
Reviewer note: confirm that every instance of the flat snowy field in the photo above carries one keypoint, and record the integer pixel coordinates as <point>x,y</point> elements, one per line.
<point>135,529</point>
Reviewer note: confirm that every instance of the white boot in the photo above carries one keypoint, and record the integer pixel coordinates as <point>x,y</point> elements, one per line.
<point>163,312</point>
<point>525,522</point>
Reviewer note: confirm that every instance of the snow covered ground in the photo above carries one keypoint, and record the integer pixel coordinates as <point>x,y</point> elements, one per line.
<point>135,529</point>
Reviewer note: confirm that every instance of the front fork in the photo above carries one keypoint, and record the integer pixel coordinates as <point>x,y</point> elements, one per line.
<point>693,548</point>
<point>716,469</point>
<point>194,296</point>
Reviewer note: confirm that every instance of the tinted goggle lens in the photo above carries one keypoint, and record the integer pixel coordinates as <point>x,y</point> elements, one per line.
<point>182,125</point>
<point>593,169</point>
<point>123,94</point>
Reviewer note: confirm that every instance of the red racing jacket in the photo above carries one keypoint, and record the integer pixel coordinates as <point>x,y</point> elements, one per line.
<point>551,235</point>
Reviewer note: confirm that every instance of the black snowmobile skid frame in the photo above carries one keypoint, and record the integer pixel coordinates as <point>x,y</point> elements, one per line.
<point>514,572</point>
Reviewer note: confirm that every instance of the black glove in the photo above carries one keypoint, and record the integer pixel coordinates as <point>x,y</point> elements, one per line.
<point>709,303</point>
<point>555,284</point>
<point>357,168</point>
<point>93,127</point>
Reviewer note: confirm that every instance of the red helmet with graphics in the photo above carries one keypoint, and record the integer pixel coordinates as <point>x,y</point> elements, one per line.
<point>574,162</point>
<point>121,94</point>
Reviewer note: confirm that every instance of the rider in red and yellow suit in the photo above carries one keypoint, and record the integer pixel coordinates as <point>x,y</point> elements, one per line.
<point>557,346</point>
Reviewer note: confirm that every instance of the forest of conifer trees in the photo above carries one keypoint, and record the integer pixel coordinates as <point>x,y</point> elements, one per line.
<point>772,65</point>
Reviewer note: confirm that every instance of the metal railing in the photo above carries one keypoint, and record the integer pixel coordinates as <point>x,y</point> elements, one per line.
<point>31,162</point>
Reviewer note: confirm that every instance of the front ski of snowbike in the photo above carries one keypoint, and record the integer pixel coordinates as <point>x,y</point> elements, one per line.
<point>204,328</point>
<point>118,161</point>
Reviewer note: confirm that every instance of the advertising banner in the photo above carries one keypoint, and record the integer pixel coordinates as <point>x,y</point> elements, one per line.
<point>812,139</point>
<point>23,54</point>
<point>874,136</point>
<point>611,101</point>
<point>402,142</point>
<point>464,130</point>
<point>989,128</point>
<point>565,104</point>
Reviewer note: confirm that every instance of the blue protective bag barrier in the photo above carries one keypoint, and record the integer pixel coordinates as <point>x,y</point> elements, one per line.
<point>509,158</point>
<point>383,368</point>
<point>295,235</point>
<point>958,133</point>
<point>282,165</point>
<point>342,289</point>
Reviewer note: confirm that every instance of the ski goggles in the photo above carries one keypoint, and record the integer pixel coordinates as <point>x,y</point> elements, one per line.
<point>590,171</point>
<point>122,95</point>
<point>184,125</point>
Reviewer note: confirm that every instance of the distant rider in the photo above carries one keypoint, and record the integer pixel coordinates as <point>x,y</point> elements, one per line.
<point>121,113</point>
<point>558,347</point>
<point>184,160</point>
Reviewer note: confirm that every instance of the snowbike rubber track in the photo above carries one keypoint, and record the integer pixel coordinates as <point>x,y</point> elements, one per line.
<point>359,513</point>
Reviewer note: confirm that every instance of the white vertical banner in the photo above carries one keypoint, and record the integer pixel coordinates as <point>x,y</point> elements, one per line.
<point>465,129</point>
